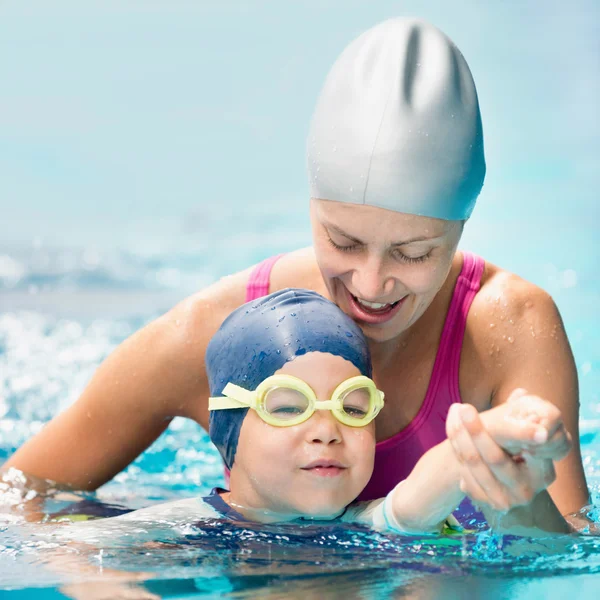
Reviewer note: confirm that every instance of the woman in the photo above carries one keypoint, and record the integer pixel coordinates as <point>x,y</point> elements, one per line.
<point>395,158</point>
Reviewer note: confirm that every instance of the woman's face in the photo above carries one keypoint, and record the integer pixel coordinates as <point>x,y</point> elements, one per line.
<point>314,468</point>
<point>381,267</point>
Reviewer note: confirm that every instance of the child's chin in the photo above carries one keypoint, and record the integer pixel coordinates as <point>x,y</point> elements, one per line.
<point>325,512</point>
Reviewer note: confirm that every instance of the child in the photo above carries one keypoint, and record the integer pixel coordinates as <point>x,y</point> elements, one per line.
<point>293,456</point>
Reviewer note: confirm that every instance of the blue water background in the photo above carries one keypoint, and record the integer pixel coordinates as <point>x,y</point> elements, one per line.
<point>149,148</point>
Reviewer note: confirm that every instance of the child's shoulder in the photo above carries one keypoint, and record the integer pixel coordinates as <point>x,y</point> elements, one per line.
<point>368,513</point>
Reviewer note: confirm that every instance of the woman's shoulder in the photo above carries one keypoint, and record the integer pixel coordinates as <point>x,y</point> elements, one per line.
<point>294,269</point>
<point>298,269</point>
<point>194,320</point>
<point>508,299</point>
<point>507,321</point>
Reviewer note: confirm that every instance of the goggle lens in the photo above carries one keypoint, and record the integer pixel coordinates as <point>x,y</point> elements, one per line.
<point>356,403</point>
<point>285,404</point>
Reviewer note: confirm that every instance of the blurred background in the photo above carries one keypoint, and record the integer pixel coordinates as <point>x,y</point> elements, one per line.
<point>149,147</point>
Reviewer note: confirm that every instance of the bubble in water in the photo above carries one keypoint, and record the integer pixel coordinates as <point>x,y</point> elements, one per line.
<point>281,318</point>
<point>292,314</point>
<point>348,334</point>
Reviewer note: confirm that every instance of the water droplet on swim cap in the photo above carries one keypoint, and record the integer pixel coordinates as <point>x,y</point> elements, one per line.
<point>397,125</point>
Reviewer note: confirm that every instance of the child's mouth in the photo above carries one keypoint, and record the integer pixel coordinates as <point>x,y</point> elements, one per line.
<point>325,468</point>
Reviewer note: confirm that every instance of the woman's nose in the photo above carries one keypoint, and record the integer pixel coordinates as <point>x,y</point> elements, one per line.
<point>370,280</point>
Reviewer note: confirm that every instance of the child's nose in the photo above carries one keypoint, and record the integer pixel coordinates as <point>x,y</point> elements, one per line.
<point>324,428</point>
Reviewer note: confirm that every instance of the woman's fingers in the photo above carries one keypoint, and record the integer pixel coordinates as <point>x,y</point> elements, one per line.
<point>556,448</point>
<point>525,405</point>
<point>481,459</point>
<point>514,435</point>
<point>528,423</point>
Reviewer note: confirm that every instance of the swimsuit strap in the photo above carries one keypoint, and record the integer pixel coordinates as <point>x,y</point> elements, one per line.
<point>258,282</point>
<point>451,341</point>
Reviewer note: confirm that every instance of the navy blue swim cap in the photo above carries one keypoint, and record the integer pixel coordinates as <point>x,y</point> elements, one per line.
<point>258,338</point>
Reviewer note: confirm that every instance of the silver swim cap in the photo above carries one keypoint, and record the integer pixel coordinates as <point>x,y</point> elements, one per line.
<point>397,125</point>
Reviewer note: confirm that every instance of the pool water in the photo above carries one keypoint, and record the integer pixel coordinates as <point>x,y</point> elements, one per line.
<point>205,181</point>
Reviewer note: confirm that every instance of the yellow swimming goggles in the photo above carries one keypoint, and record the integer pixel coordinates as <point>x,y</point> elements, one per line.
<point>284,400</point>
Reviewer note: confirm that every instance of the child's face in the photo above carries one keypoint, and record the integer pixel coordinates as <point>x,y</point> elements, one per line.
<point>315,468</point>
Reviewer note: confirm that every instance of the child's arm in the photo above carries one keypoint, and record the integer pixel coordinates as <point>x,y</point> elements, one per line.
<point>422,502</point>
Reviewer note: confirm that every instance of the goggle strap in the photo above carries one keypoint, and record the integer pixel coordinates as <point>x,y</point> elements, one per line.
<point>224,403</point>
<point>239,393</point>
<point>236,397</point>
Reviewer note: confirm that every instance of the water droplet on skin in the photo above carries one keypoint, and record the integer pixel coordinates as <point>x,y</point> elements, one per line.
<point>528,304</point>
<point>492,325</point>
<point>502,317</point>
<point>510,339</point>
<point>511,321</point>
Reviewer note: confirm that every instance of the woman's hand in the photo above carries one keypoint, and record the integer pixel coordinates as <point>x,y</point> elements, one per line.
<point>527,423</point>
<point>506,454</point>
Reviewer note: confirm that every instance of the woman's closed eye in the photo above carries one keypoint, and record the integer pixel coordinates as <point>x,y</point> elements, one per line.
<point>401,257</point>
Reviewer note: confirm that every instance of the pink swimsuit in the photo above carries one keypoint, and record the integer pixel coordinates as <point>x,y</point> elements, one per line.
<point>396,456</point>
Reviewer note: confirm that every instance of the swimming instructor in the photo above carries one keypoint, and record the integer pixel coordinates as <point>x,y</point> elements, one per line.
<point>395,165</point>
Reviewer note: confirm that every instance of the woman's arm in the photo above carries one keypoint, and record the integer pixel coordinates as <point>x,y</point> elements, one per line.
<point>156,374</point>
<point>530,350</point>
